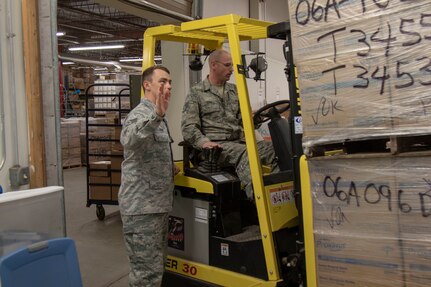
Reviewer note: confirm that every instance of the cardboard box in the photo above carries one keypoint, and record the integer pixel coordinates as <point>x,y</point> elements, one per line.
<point>100,192</point>
<point>99,180</point>
<point>116,177</point>
<point>371,220</point>
<point>116,160</point>
<point>353,84</point>
<point>114,190</point>
<point>104,166</point>
<point>117,146</point>
<point>117,133</point>
<point>344,260</point>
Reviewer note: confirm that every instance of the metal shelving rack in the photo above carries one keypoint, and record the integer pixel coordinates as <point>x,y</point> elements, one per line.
<point>100,187</point>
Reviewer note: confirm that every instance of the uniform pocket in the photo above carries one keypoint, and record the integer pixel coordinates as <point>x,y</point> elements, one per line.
<point>162,138</point>
<point>211,108</point>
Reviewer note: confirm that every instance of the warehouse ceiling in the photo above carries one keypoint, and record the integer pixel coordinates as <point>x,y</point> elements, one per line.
<point>103,22</point>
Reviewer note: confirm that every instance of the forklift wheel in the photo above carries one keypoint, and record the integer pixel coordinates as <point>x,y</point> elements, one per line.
<point>100,212</point>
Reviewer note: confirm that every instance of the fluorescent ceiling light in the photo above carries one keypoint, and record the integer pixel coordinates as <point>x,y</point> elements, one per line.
<point>131,60</point>
<point>68,63</point>
<point>138,59</point>
<point>59,34</point>
<point>77,68</point>
<point>105,74</point>
<point>96,47</point>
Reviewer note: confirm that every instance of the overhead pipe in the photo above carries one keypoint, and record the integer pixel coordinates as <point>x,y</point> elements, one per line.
<point>99,63</point>
<point>145,5</point>
<point>85,29</point>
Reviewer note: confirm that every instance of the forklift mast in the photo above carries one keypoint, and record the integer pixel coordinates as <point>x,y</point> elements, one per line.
<point>212,33</point>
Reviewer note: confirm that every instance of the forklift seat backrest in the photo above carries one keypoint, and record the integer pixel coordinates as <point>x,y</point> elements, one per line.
<point>279,129</point>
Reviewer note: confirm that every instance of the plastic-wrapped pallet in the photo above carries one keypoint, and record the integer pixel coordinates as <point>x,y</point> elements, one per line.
<point>70,143</point>
<point>371,219</point>
<point>96,130</point>
<point>364,68</point>
<point>111,100</point>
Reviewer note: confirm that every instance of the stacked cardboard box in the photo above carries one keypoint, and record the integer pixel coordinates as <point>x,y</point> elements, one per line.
<point>108,96</point>
<point>363,70</point>
<point>100,180</point>
<point>103,148</point>
<point>371,220</point>
<point>70,143</point>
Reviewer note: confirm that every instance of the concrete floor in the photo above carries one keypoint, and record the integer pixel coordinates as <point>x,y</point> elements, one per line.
<point>101,252</point>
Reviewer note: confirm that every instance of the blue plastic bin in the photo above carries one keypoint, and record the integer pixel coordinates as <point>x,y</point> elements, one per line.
<point>51,263</point>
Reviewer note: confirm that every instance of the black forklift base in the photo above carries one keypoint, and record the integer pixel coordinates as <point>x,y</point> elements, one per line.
<point>171,279</point>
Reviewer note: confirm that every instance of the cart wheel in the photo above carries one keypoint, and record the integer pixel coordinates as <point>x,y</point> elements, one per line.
<point>100,212</point>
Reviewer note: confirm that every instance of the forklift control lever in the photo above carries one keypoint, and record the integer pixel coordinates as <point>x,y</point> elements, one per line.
<point>210,160</point>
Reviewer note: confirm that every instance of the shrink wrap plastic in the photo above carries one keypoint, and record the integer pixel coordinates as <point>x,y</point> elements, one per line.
<point>371,217</point>
<point>364,68</point>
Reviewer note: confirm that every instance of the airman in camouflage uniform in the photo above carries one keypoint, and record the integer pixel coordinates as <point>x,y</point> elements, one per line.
<point>145,196</point>
<point>211,118</point>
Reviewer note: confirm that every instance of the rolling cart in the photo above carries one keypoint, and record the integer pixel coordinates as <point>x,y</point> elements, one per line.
<point>106,101</point>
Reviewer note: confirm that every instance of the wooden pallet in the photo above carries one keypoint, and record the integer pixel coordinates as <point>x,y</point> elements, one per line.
<point>391,145</point>
<point>72,166</point>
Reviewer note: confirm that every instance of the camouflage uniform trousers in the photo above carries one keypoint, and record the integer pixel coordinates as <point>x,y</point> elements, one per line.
<point>235,154</point>
<point>145,237</point>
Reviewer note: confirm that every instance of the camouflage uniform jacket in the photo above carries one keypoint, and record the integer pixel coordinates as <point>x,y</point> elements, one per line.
<point>208,116</point>
<point>147,170</point>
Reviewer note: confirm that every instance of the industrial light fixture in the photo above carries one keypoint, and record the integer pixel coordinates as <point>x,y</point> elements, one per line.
<point>156,58</point>
<point>104,74</point>
<point>100,69</point>
<point>131,60</point>
<point>68,63</point>
<point>59,34</point>
<point>96,47</point>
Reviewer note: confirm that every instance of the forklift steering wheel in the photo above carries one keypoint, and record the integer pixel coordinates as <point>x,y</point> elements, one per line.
<point>269,112</point>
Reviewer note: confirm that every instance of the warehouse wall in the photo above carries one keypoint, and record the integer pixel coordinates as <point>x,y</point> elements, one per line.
<point>173,59</point>
<point>13,137</point>
<point>14,133</point>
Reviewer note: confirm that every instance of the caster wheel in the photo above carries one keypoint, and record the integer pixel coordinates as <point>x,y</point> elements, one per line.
<point>100,212</point>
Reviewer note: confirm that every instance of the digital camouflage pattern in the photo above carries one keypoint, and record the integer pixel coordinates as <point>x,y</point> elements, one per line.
<point>146,243</point>
<point>146,193</point>
<point>147,179</point>
<point>210,116</point>
<point>235,154</point>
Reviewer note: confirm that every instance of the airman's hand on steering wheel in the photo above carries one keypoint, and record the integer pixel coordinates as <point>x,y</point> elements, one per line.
<point>211,145</point>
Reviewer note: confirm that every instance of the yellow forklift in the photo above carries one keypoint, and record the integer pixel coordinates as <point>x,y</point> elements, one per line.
<point>217,237</point>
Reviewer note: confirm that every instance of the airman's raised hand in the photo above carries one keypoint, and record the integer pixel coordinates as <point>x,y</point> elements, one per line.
<point>162,100</point>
